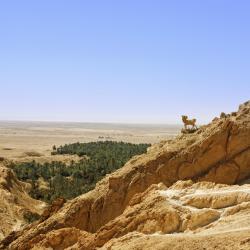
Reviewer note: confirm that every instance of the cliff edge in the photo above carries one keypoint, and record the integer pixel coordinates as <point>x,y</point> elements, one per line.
<point>16,206</point>
<point>188,186</point>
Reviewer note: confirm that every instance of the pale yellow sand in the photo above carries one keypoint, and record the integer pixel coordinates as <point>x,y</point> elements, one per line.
<point>18,138</point>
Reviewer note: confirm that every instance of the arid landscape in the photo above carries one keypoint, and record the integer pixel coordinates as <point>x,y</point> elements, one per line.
<point>22,140</point>
<point>124,125</point>
<point>188,192</point>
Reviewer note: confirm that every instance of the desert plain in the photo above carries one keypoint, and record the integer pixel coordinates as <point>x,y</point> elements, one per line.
<point>19,139</point>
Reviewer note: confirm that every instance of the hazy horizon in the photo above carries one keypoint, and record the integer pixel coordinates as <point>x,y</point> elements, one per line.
<point>89,122</point>
<point>139,62</point>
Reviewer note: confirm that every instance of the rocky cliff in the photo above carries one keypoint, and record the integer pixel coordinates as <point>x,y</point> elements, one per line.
<point>16,206</point>
<point>134,207</point>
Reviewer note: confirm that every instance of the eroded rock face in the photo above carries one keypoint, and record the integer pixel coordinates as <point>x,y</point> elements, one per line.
<point>218,152</point>
<point>203,209</point>
<point>186,208</point>
<point>15,203</point>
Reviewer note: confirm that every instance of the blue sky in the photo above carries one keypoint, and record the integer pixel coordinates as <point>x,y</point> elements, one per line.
<point>133,61</point>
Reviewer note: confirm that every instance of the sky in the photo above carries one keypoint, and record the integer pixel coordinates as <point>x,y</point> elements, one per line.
<point>132,61</point>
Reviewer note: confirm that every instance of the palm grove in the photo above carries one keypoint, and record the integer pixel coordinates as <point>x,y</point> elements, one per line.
<point>56,179</point>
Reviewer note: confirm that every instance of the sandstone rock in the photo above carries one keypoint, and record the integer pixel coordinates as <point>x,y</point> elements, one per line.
<point>15,202</point>
<point>225,227</point>
<point>53,208</point>
<point>128,201</point>
<point>157,211</point>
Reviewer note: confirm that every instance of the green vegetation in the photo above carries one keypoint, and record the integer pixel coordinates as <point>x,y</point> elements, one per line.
<point>31,217</point>
<point>56,179</point>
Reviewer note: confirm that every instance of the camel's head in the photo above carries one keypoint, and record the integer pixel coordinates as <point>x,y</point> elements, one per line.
<point>184,117</point>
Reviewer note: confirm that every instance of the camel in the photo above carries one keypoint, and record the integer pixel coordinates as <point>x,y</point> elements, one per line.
<point>188,122</point>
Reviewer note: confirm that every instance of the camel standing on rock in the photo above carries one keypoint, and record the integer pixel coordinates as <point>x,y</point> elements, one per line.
<point>188,122</point>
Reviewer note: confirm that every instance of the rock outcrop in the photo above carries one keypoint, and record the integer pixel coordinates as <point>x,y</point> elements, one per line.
<point>202,216</point>
<point>135,203</point>
<point>15,205</point>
